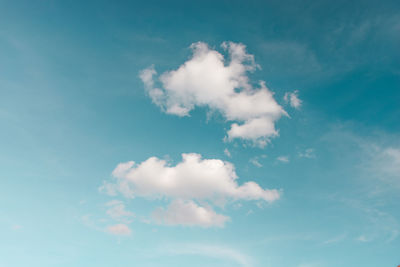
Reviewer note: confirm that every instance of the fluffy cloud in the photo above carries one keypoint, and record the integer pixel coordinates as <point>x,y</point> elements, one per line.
<point>293,99</point>
<point>119,229</point>
<point>193,178</point>
<point>188,213</point>
<point>206,80</point>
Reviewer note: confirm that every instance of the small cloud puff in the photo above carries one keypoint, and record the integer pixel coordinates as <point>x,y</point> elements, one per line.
<point>293,99</point>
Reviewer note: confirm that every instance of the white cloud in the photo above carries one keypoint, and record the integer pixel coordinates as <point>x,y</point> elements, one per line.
<point>206,80</point>
<point>293,99</point>
<point>119,229</point>
<point>255,162</point>
<point>122,168</point>
<point>284,159</point>
<point>108,189</point>
<point>118,212</point>
<point>193,178</point>
<point>188,213</point>
<point>227,153</point>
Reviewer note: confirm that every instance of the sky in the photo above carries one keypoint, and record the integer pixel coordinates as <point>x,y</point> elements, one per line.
<point>199,133</point>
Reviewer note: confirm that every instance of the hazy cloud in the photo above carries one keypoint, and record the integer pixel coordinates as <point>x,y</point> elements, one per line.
<point>119,229</point>
<point>284,159</point>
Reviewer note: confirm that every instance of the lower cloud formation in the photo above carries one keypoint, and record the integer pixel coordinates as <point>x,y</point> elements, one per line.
<point>192,181</point>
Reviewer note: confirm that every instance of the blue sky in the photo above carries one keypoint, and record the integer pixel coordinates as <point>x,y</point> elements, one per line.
<point>99,100</point>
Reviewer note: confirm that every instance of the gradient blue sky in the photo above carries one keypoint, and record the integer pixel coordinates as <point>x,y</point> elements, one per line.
<point>72,107</point>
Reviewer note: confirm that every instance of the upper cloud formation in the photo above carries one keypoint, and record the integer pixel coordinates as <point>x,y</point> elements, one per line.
<point>207,80</point>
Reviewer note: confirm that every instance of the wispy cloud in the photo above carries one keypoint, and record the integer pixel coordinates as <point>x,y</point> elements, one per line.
<point>284,159</point>
<point>293,99</point>
<point>227,153</point>
<point>119,229</point>
<point>380,225</point>
<point>307,153</point>
<point>255,162</point>
<point>336,239</point>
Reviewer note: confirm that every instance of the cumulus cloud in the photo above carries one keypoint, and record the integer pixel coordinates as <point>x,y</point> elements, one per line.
<point>188,213</point>
<point>193,180</point>
<point>293,99</point>
<point>207,80</point>
<point>119,229</point>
